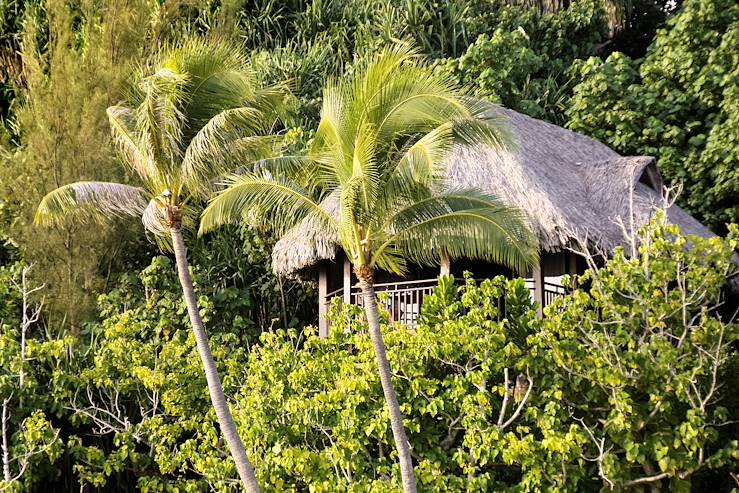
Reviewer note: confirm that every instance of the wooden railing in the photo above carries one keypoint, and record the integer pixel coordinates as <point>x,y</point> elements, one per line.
<point>553,291</point>
<point>403,300</point>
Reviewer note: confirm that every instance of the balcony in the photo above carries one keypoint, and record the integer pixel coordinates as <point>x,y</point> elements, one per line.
<point>403,300</point>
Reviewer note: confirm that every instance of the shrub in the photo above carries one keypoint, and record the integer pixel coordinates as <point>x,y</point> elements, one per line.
<point>680,104</point>
<point>631,380</point>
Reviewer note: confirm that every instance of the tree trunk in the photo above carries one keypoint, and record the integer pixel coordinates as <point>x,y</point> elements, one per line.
<point>225,420</point>
<point>396,418</point>
<point>5,444</point>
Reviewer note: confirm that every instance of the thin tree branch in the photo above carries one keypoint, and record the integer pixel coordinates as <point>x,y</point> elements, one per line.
<point>521,405</point>
<point>503,408</point>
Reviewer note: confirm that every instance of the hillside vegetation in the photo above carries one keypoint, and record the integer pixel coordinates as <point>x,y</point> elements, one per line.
<point>632,377</point>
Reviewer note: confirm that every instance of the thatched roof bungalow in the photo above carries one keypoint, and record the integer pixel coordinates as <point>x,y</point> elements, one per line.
<point>571,187</point>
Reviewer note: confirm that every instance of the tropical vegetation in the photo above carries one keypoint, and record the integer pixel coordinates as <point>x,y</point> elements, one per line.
<point>114,108</point>
<point>379,152</point>
<point>196,110</point>
<point>136,411</point>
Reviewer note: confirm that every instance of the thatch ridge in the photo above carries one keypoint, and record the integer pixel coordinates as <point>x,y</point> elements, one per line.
<point>571,187</point>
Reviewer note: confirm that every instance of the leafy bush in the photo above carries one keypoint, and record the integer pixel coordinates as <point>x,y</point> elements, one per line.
<point>680,104</point>
<point>523,62</point>
<point>632,380</point>
<point>439,28</point>
<point>643,359</point>
<point>29,440</point>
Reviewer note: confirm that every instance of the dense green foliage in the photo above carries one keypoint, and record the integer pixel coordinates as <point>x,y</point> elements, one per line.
<point>680,103</point>
<point>642,353</point>
<point>144,320</point>
<point>113,394</point>
<point>130,404</point>
<point>62,54</point>
<point>64,136</point>
<point>523,62</point>
<point>379,151</point>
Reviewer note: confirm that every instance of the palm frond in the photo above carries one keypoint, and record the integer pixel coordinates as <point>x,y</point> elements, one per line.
<point>233,136</point>
<point>92,200</point>
<point>259,197</point>
<point>421,163</point>
<point>331,155</point>
<point>198,114</point>
<point>298,169</point>
<point>392,260</point>
<point>461,223</point>
<point>123,129</point>
<point>160,116</point>
<point>360,192</point>
<point>374,79</point>
<point>332,147</point>
<point>276,102</point>
<point>153,218</point>
<point>365,172</point>
<point>219,78</point>
<point>418,106</point>
<point>399,93</point>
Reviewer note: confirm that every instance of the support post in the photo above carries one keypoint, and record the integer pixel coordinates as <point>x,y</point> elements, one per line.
<point>572,268</point>
<point>538,275</point>
<point>322,300</point>
<point>446,265</point>
<point>347,281</point>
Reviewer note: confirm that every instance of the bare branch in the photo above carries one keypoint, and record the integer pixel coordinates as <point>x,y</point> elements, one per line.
<point>27,319</point>
<point>23,460</point>
<point>645,480</point>
<point>506,390</point>
<point>5,444</point>
<point>600,445</point>
<point>521,405</point>
<point>451,433</point>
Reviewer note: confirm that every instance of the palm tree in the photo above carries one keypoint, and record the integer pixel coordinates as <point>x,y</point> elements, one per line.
<point>379,151</point>
<point>194,111</point>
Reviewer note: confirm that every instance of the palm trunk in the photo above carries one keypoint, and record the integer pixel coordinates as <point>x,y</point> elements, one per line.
<point>225,420</point>
<point>396,418</point>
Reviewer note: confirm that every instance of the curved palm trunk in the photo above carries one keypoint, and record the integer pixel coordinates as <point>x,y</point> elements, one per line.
<point>225,420</point>
<point>396,418</point>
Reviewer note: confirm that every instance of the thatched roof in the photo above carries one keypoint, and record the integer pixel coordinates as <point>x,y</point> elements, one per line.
<point>570,186</point>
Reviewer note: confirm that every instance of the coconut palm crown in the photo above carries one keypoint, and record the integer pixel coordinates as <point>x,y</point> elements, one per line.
<point>379,150</point>
<point>195,112</point>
